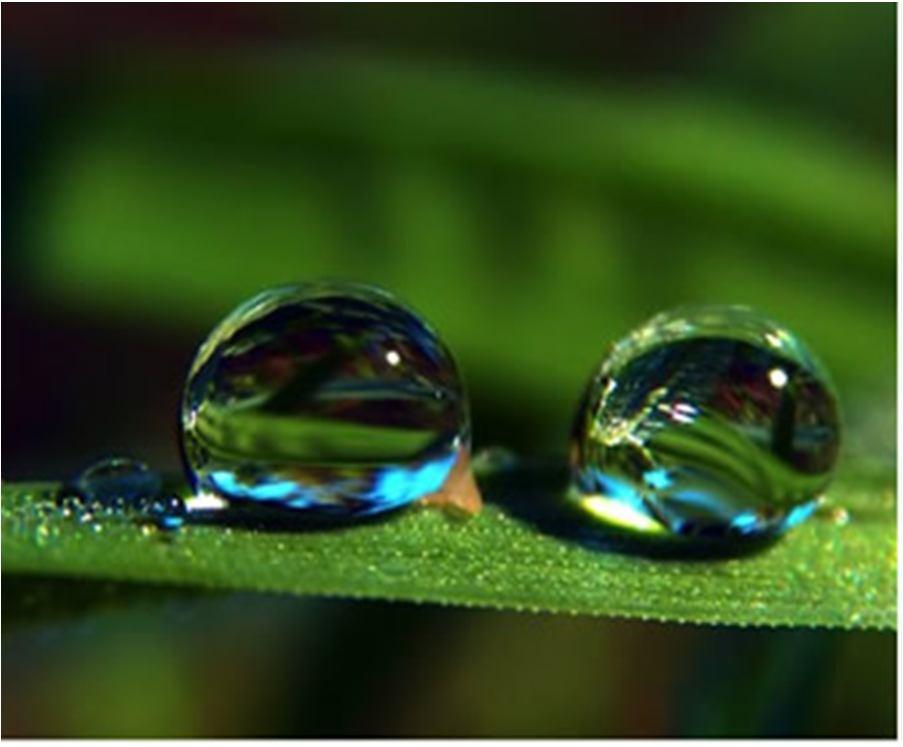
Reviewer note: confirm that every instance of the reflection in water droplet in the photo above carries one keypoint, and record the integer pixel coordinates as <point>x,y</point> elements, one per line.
<point>710,422</point>
<point>327,398</point>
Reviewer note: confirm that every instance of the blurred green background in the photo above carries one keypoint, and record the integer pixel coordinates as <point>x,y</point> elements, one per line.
<point>536,180</point>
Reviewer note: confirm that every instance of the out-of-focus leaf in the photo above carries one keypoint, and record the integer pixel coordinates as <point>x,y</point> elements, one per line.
<point>555,215</point>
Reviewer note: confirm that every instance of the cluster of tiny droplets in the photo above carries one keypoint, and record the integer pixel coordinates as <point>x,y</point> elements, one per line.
<point>161,512</point>
<point>34,517</point>
<point>42,515</point>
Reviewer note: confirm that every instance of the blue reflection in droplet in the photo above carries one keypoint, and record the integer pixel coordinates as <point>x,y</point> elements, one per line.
<point>396,486</point>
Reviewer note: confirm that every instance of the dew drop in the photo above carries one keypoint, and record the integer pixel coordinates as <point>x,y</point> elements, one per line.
<point>116,482</point>
<point>69,504</point>
<point>326,398</point>
<point>167,512</point>
<point>708,422</point>
<point>120,488</point>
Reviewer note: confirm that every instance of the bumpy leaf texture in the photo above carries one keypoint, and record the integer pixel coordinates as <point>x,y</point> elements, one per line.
<point>838,569</point>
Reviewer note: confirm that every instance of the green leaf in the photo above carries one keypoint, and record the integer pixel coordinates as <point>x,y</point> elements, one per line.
<point>827,572</point>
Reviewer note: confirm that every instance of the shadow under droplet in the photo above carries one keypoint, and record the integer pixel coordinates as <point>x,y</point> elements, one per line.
<point>279,520</point>
<point>260,517</point>
<point>166,512</point>
<point>534,493</point>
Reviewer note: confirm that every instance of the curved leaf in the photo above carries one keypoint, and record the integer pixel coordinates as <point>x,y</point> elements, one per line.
<point>828,572</point>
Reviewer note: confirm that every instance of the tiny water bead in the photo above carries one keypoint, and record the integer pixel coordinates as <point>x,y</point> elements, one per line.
<point>120,488</point>
<point>326,398</point>
<point>117,479</point>
<point>707,422</point>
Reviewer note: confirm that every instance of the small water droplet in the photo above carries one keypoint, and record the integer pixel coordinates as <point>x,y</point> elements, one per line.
<point>711,422</point>
<point>328,398</point>
<point>116,482</point>
<point>70,506</point>
<point>167,512</point>
<point>119,488</point>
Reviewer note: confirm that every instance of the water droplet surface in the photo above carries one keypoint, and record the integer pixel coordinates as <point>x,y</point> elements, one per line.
<point>119,488</point>
<point>117,482</point>
<point>168,513</point>
<point>707,422</point>
<point>325,397</point>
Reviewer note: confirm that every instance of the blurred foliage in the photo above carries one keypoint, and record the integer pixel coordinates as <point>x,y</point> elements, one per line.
<point>267,665</point>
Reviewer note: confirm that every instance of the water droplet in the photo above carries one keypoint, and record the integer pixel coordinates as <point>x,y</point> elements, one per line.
<point>708,422</point>
<point>167,512</point>
<point>329,398</point>
<point>120,488</point>
<point>116,482</point>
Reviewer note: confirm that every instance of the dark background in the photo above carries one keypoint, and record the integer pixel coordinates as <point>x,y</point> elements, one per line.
<point>536,180</point>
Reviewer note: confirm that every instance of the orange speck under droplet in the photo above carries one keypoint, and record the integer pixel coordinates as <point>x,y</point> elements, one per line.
<point>459,493</point>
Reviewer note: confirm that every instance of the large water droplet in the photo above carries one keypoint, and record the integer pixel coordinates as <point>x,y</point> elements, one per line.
<point>324,397</point>
<point>709,422</point>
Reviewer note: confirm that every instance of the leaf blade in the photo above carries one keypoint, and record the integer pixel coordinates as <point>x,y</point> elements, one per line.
<point>824,573</point>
